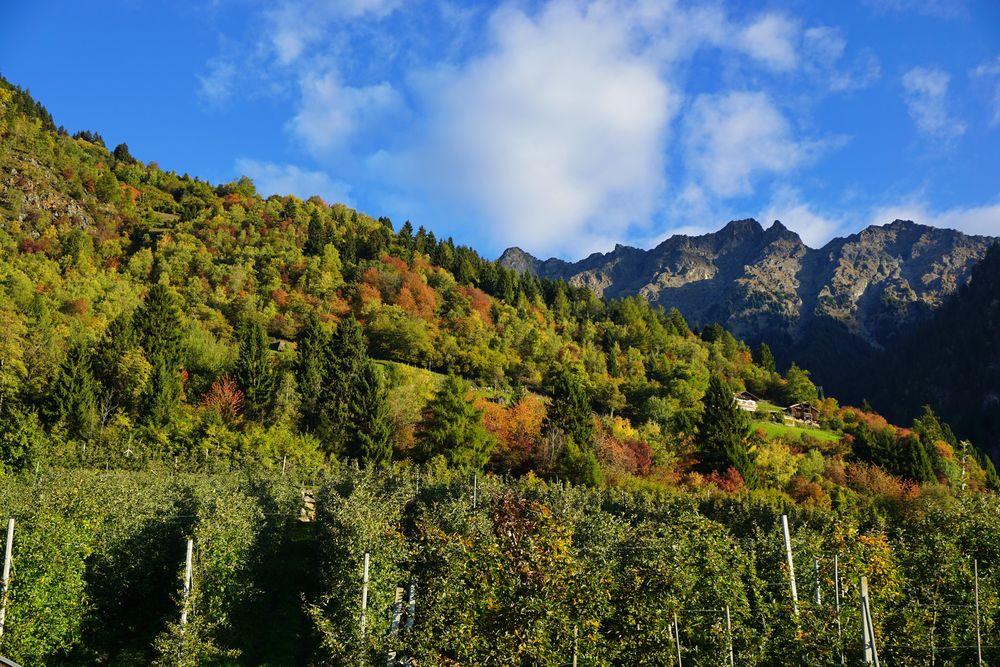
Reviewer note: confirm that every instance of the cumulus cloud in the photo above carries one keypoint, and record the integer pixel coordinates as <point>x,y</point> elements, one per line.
<point>330,113</point>
<point>926,96</point>
<point>983,220</point>
<point>556,134</point>
<point>732,138</point>
<point>772,39</point>
<point>283,179</point>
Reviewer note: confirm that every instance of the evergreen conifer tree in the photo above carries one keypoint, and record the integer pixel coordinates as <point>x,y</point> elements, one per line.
<point>724,432</point>
<point>764,358</point>
<point>311,369</point>
<point>569,409</point>
<point>453,428</point>
<point>158,322</point>
<point>346,354</point>
<point>254,372</point>
<point>73,394</point>
<point>371,426</point>
<point>163,394</point>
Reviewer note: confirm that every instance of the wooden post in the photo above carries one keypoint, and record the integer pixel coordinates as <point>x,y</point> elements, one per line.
<point>187,581</point>
<point>819,596</point>
<point>364,596</point>
<point>397,612</point>
<point>677,640</point>
<point>791,563</point>
<point>836,595</point>
<point>7,555</point>
<point>979,639</point>
<point>576,642</point>
<point>729,633</point>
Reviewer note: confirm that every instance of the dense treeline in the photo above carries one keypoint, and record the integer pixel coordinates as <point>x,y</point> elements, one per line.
<point>151,316</point>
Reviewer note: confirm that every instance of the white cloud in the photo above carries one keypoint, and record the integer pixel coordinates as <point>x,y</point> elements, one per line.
<point>292,26</point>
<point>216,85</point>
<point>557,134</point>
<point>815,228</point>
<point>926,97</point>
<point>990,71</point>
<point>983,220</point>
<point>330,113</point>
<point>823,50</point>
<point>284,179</point>
<point>772,39</point>
<point>732,138</point>
<point>948,9</point>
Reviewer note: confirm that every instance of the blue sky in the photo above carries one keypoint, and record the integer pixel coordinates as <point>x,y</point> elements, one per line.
<point>559,126</point>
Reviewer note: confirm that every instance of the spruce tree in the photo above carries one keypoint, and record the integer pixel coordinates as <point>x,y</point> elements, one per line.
<point>73,394</point>
<point>346,354</point>
<point>163,394</point>
<point>764,358</point>
<point>569,409</point>
<point>453,428</point>
<point>254,371</point>
<point>158,323</point>
<point>311,369</point>
<point>371,430</point>
<point>724,433</point>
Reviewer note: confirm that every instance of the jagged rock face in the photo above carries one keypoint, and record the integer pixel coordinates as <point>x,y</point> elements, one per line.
<point>765,284</point>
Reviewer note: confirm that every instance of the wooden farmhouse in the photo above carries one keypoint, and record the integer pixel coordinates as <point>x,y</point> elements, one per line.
<point>746,401</point>
<point>804,412</point>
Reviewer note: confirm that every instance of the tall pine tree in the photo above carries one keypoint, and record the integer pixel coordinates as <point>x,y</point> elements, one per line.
<point>371,428</point>
<point>310,370</point>
<point>74,395</point>
<point>346,355</point>
<point>254,372</point>
<point>569,409</point>
<point>453,428</point>
<point>724,433</point>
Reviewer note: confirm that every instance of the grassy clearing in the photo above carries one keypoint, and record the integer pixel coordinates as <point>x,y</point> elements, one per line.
<point>795,432</point>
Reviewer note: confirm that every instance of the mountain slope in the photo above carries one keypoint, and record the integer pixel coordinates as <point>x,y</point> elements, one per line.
<point>952,362</point>
<point>853,296</point>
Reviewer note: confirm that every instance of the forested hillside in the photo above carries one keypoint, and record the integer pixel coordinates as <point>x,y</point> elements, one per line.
<point>557,472</point>
<point>149,315</point>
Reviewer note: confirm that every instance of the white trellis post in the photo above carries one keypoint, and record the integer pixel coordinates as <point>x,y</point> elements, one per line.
<point>188,561</point>
<point>791,563</point>
<point>836,595</point>
<point>979,638</point>
<point>7,555</point>
<point>364,596</point>
<point>867,625</point>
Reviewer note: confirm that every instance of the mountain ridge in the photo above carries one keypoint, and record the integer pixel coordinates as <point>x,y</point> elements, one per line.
<point>853,296</point>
